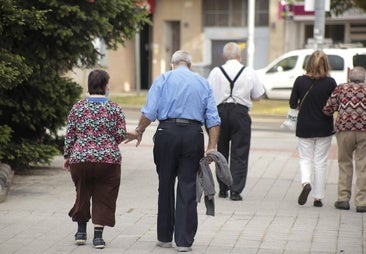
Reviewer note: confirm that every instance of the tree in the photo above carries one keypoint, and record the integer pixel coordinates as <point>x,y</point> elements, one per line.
<point>338,7</point>
<point>40,41</point>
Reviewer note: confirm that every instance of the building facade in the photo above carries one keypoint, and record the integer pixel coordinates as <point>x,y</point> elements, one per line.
<point>202,27</point>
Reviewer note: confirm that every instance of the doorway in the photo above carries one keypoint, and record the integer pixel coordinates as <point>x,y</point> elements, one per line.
<point>145,57</point>
<point>171,42</point>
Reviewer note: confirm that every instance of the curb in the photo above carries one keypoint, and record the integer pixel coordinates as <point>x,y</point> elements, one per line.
<point>6,177</point>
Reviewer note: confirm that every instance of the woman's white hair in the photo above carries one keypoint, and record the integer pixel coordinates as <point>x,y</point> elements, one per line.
<point>231,50</point>
<point>181,56</point>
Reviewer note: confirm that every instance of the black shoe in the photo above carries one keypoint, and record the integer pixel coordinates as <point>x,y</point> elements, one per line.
<point>235,196</point>
<point>342,205</point>
<point>223,194</point>
<point>80,238</point>
<point>361,209</point>
<point>304,194</point>
<point>318,203</point>
<point>98,243</point>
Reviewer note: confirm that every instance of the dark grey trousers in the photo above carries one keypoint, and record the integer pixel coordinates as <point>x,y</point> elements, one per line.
<point>234,143</point>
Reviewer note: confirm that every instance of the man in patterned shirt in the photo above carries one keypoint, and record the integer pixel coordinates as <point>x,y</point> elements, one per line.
<point>349,100</point>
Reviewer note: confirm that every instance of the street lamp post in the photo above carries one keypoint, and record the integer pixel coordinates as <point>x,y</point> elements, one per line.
<point>319,23</point>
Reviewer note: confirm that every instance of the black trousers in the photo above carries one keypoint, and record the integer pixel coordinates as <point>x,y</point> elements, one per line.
<point>178,149</point>
<point>234,143</point>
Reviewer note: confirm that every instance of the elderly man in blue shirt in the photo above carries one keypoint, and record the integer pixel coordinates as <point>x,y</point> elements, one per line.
<point>182,101</point>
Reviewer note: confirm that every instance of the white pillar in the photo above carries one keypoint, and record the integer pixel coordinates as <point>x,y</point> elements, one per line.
<point>250,41</point>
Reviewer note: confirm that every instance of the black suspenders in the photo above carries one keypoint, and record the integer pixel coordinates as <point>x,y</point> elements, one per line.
<point>232,82</point>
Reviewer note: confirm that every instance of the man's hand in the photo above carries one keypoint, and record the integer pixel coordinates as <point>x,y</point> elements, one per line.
<point>132,135</point>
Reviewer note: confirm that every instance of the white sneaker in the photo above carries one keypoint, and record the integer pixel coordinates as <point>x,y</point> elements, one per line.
<point>164,244</point>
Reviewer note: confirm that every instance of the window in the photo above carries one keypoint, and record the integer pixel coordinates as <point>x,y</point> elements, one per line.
<point>334,32</point>
<point>336,62</point>
<point>233,13</point>
<point>284,65</point>
<point>359,60</point>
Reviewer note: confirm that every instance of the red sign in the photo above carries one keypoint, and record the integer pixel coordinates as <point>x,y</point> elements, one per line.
<point>148,4</point>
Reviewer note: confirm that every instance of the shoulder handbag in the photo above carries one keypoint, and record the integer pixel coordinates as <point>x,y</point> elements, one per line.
<point>291,118</point>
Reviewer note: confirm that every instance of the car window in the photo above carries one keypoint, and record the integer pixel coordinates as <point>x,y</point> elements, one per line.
<point>336,62</point>
<point>284,65</point>
<point>359,60</point>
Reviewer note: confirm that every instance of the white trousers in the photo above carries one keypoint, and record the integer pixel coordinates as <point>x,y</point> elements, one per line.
<point>313,154</point>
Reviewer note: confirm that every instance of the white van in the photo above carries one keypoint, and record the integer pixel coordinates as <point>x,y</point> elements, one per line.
<point>279,76</point>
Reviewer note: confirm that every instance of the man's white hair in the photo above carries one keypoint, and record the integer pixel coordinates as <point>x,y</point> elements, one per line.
<point>357,74</point>
<point>231,51</point>
<point>181,56</point>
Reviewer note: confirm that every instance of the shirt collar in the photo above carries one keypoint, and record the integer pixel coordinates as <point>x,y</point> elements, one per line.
<point>97,99</point>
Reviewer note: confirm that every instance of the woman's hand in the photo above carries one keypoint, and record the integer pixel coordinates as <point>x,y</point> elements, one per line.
<point>66,165</point>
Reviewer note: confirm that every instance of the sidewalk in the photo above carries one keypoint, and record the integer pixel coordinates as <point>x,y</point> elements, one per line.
<point>33,218</point>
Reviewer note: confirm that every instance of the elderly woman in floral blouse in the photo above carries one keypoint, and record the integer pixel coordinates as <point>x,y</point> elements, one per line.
<point>95,128</point>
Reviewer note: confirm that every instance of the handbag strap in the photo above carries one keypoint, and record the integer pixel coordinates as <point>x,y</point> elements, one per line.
<point>307,92</point>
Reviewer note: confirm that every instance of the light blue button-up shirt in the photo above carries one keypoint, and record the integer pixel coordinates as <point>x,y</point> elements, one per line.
<point>180,93</point>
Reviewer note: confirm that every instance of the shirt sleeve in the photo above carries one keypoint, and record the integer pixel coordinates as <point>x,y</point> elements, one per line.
<point>212,116</point>
<point>150,110</point>
<point>70,136</point>
<point>121,126</point>
<point>214,81</point>
<point>258,88</point>
<point>332,103</point>
<point>294,97</point>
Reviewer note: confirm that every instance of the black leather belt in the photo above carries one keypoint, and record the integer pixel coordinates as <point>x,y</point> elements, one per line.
<point>180,120</point>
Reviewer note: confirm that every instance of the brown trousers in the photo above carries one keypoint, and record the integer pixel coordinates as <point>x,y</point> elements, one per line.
<point>352,154</point>
<point>99,183</point>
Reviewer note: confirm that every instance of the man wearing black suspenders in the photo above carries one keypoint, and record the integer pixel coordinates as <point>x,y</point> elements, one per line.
<point>234,87</point>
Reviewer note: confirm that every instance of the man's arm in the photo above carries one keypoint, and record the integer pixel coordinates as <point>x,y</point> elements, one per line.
<point>138,131</point>
<point>213,135</point>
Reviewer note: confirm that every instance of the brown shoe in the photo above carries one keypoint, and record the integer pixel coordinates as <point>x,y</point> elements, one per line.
<point>304,194</point>
<point>342,205</point>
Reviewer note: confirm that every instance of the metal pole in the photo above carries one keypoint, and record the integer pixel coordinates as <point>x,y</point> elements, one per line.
<point>251,24</point>
<point>319,24</point>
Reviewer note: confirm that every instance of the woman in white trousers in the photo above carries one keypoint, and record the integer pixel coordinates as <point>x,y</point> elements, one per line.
<point>314,129</point>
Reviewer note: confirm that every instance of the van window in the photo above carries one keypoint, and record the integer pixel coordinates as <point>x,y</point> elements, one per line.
<point>336,62</point>
<point>284,65</point>
<point>359,60</point>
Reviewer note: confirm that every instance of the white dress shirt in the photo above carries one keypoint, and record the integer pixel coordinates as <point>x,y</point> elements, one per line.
<point>246,87</point>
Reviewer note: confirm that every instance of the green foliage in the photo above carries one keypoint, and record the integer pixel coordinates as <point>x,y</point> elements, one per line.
<point>30,152</point>
<point>5,136</point>
<point>41,40</point>
<point>338,7</point>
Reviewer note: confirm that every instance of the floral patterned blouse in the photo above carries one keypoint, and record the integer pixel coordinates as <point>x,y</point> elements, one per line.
<point>95,128</point>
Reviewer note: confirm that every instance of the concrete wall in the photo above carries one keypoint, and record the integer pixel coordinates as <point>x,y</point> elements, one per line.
<point>188,13</point>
